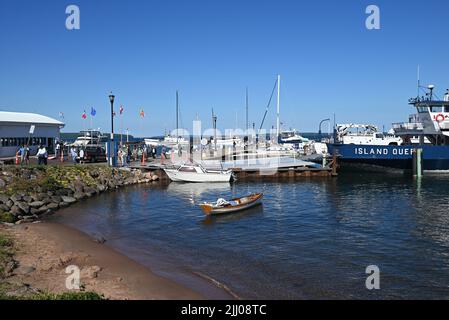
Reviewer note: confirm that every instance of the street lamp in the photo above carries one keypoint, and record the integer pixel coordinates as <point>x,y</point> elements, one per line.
<point>214,118</point>
<point>112,151</point>
<point>322,121</point>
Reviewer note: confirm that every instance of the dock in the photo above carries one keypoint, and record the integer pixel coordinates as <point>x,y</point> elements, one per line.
<point>285,170</point>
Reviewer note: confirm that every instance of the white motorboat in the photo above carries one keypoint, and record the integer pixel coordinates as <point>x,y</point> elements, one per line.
<point>197,173</point>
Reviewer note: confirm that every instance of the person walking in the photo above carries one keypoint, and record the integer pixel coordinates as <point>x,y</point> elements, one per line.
<point>27,154</point>
<point>73,154</point>
<point>21,154</point>
<point>42,155</point>
<point>58,150</point>
<point>82,156</point>
<point>154,152</point>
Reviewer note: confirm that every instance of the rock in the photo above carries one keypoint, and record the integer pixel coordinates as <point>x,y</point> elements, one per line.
<point>154,178</point>
<point>52,206</point>
<point>100,239</point>
<point>90,272</point>
<point>23,206</point>
<point>27,199</point>
<point>56,199</point>
<point>42,210</point>
<point>2,184</point>
<point>16,197</point>
<point>36,204</point>
<point>64,204</point>
<point>15,210</point>
<point>4,198</point>
<point>4,207</point>
<point>24,270</point>
<point>89,191</point>
<point>79,195</point>
<point>68,199</point>
<point>148,175</point>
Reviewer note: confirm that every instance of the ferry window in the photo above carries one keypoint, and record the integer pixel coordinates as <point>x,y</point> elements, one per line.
<point>446,108</point>
<point>187,169</point>
<point>422,109</point>
<point>436,109</point>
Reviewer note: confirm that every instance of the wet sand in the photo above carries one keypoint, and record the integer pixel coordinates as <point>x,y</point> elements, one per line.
<point>45,250</point>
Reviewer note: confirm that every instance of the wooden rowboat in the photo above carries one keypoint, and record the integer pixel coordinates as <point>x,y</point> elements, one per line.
<point>222,206</point>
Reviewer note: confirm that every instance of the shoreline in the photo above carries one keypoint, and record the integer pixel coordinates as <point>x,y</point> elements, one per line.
<point>30,196</point>
<point>45,249</point>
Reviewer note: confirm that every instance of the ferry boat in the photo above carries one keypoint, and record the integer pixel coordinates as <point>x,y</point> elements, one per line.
<point>430,133</point>
<point>89,137</point>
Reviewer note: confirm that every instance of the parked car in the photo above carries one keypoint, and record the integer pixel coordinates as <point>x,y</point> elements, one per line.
<point>94,153</point>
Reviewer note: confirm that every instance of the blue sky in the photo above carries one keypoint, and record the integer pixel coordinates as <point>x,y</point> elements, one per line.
<point>211,51</point>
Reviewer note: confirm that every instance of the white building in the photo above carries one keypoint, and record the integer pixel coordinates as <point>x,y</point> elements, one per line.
<point>15,128</point>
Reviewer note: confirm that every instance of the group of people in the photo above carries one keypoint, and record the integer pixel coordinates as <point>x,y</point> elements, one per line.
<point>24,155</point>
<point>77,154</point>
<point>125,154</point>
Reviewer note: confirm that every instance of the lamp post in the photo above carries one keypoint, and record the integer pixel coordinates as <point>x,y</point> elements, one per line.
<point>214,117</point>
<point>322,121</point>
<point>112,151</point>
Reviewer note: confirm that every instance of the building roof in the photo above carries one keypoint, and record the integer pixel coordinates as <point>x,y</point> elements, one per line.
<point>31,118</point>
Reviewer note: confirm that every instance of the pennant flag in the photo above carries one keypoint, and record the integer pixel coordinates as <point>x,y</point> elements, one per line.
<point>121,109</point>
<point>61,115</point>
<point>142,113</point>
<point>93,112</point>
<point>84,116</point>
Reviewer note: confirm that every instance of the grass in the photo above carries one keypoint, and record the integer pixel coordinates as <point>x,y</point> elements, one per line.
<point>6,253</point>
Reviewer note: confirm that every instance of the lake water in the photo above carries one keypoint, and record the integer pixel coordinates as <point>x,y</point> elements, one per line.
<point>310,239</point>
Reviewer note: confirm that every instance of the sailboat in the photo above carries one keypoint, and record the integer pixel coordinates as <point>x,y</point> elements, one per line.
<point>174,141</point>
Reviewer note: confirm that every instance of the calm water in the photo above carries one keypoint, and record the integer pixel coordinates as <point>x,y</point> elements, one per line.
<point>311,238</point>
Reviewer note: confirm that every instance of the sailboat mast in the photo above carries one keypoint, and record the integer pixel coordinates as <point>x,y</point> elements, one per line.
<point>278,107</point>
<point>177,115</point>
<point>247,123</point>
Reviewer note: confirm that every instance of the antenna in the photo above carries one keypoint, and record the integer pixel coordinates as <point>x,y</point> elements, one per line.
<point>419,84</point>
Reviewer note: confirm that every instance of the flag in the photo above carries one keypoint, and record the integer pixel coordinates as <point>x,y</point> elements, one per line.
<point>113,113</point>
<point>142,113</point>
<point>93,112</point>
<point>84,116</point>
<point>121,109</point>
<point>61,115</point>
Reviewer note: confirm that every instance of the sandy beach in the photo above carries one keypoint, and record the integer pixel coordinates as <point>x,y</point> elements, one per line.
<point>44,250</point>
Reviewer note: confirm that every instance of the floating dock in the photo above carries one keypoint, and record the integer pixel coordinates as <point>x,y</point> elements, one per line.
<point>285,169</point>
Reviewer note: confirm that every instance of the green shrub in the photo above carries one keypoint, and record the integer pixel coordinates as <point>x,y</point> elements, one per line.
<point>7,217</point>
<point>68,296</point>
<point>6,253</point>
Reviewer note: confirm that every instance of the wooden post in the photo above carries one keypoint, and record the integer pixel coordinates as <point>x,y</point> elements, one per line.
<point>419,163</point>
<point>334,163</point>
